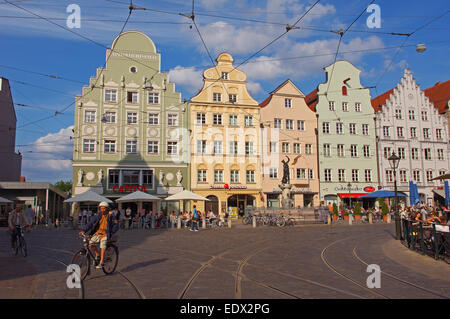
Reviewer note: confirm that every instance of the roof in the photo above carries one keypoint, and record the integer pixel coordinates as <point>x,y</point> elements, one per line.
<point>311,100</point>
<point>266,101</point>
<point>439,94</point>
<point>32,185</point>
<point>380,100</point>
<point>269,98</point>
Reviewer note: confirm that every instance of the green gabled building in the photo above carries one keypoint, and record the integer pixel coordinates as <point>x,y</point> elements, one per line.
<point>131,126</point>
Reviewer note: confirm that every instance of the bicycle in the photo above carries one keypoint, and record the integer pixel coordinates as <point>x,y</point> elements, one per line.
<point>20,243</point>
<point>83,258</point>
<point>270,220</point>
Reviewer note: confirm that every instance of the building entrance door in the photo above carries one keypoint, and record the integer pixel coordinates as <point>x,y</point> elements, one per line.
<point>213,204</point>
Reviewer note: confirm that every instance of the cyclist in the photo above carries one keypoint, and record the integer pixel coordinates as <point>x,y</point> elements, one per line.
<point>16,220</point>
<point>102,228</point>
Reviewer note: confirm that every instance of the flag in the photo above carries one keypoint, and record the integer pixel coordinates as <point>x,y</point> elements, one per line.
<point>447,194</point>
<point>411,193</point>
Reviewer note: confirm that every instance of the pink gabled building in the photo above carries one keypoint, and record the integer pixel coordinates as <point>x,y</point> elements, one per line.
<point>289,130</point>
<point>10,161</point>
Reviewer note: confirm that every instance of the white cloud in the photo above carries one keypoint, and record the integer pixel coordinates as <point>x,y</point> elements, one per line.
<point>254,88</point>
<point>188,78</point>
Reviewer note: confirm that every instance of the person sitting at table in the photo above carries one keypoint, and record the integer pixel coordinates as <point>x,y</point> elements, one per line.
<point>433,218</point>
<point>211,216</point>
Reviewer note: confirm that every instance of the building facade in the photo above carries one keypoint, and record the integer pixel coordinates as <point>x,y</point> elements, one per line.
<point>410,125</point>
<point>346,135</point>
<point>10,161</point>
<point>290,131</point>
<point>130,130</point>
<point>225,141</point>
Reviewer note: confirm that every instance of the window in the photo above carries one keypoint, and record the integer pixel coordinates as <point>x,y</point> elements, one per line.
<point>387,152</point>
<point>386,131</point>
<point>289,124</point>
<point>441,173</point>
<point>217,97</point>
<point>326,150</point>
<point>339,128</point>
<point>288,103</point>
<point>341,175</point>
<point>412,130</point>
<point>147,178</point>
<point>250,176</point>
<point>426,133</point>
<point>201,176</point>
<point>88,146</point>
<point>354,150</point>
<point>152,147</point>
<point>326,128</point>
<point>297,148</point>
<point>424,116</point>
<point>273,173</point>
<point>365,129</point>
<point>131,147</point>
<point>110,95</point>
<point>308,149</point>
<point>327,174</point>
<point>368,175</point>
<point>355,173</point>
<point>301,173</point>
<point>172,119</point>
<point>398,114</point>
<point>344,90</point>
<point>234,176</point>
<point>110,146</point>
<point>133,69</point>
<point>248,148</point>
<point>109,117</point>
<point>412,115</point>
<point>416,176</point>
<point>218,176</point>
<point>366,150</point>
<point>439,134</point>
<point>301,125</point>
<point>401,153</point>
<point>201,119</point>
<point>285,147</point>
<point>277,123</point>
<point>89,116</point>
<point>201,147</point>
<point>414,153</point>
<point>389,176</point>
<point>113,178</point>
<point>217,119</point>
<point>357,107</point>
<point>427,153</point>
<point>273,147</point>
<point>153,98</point>
<point>429,175</point>
<point>400,131</point>
<point>310,174</point>
<point>248,120</point>
<point>130,177</point>
<point>132,97</point>
<point>153,118</point>
<point>440,154</point>
<point>224,75</point>
<point>331,105</point>
<point>172,147</point>
<point>345,106</point>
<point>403,177</point>
<point>352,128</point>
<point>132,118</point>
<point>232,98</point>
<point>233,120</point>
<point>233,148</point>
<point>217,148</point>
<point>340,150</point>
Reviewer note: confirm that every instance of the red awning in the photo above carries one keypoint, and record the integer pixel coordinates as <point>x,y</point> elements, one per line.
<point>353,195</point>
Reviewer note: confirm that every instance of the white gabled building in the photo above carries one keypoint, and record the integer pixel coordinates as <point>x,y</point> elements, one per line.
<point>408,123</point>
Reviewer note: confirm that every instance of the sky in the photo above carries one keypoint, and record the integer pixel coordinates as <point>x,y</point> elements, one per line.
<point>32,47</point>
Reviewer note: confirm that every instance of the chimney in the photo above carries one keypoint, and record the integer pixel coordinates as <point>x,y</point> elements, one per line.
<point>22,179</point>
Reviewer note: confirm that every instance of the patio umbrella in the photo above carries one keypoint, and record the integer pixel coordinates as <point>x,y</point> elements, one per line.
<point>137,196</point>
<point>382,194</point>
<point>4,200</point>
<point>186,195</point>
<point>441,177</point>
<point>88,196</point>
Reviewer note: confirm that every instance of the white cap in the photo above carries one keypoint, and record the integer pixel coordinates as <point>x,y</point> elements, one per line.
<point>105,204</point>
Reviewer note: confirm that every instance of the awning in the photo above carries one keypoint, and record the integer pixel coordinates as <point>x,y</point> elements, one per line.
<point>4,200</point>
<point>352,195</point>
<point>440,192</point>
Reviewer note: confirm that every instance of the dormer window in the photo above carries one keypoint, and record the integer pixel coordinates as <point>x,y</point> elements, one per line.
<point>217,97</point>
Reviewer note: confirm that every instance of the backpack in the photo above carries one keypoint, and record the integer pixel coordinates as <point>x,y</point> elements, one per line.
<point>195,215</point>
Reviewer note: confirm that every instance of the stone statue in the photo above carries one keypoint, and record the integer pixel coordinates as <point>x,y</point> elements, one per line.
<point>161,178</point>
<point>286,178</point>
<point>100,176</point>
<point>80,177</point>
<point>179,178</point>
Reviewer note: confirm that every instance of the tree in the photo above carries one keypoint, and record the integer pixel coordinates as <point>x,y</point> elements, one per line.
<point>357,210</point>
<point>335,209</point>
<point>65,186</point>
<point>384,207</point>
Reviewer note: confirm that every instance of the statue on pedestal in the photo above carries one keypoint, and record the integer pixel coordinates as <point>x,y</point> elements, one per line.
<point>161,178</point>
<point>100,176</point>
<point>179,178</point>
<point>286,178</point>
<point>80,177</point>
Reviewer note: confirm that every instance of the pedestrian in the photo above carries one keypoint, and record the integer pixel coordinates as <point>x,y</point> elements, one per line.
<point>195,219</point>
<point>128,217</point>
<point>29,214</point>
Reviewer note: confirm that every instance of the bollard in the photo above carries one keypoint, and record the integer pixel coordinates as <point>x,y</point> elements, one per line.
<point>389,218</point>
<point>179,222</point>
<point>229,222</point>
<point>329,220</point>
<point>350,219</point>
<point>153,222</point>
<point>370,219</point>
<point>204,222</point>
<point>254,221</point>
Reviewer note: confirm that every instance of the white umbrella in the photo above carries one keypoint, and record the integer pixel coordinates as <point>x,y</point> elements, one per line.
<point>137,196</point>
<point>186,195</point>
<point>4,200</point>
<point>88,196</point>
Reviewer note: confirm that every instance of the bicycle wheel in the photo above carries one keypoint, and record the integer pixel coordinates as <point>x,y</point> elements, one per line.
<point>290,222</point>
<point>266,221</point>
<point>83,260</point>
<point>281,222</point>
<point>246,220</point>
<point>23,246</point>
<point>111,259</point>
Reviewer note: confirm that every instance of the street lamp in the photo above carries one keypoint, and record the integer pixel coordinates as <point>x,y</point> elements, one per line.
<point>349,185</point>
<point>394,160</point>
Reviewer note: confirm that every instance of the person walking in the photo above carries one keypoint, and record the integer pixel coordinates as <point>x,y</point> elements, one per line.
<point>29,214</point>
<point>195,219</point>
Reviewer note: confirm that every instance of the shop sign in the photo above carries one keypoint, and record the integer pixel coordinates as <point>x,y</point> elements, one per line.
<point>129,188</point>
<point>369,189</point>
<point>226,186</point>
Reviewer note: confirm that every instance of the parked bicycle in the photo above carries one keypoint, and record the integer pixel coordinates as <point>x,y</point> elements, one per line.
<point>20,243</point>
<point>271,220</point>
<point>84,256</point>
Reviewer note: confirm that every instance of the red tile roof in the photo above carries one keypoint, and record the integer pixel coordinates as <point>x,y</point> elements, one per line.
<point>381,100</point>
<point>266,101</point>
<point>439,94</point>
<point>311,99</point>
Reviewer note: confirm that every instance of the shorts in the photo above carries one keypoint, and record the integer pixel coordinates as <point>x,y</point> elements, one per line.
<point>96,239</point>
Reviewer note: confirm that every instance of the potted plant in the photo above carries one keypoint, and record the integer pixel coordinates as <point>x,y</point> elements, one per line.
<point>346,214</point>
<point>384,209</point>
<point>357,211</point>
<point>335,212</point>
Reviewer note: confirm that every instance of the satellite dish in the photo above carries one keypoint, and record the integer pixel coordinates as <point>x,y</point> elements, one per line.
<point>421,48</point>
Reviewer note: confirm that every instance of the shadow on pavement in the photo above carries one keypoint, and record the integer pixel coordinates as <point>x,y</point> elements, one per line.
<point>143,264</point>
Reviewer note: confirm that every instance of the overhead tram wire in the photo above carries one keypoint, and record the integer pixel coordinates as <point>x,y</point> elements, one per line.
<point>52,76</point>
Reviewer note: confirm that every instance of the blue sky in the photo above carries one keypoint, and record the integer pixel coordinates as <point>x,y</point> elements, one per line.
<point>39,46</point>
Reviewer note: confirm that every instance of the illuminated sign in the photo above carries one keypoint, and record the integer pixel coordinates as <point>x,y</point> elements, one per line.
<point>226,186</point>
<point>129,188</point>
